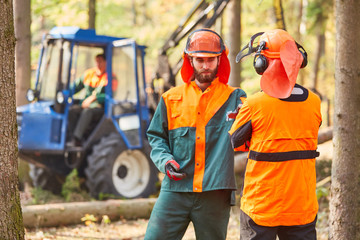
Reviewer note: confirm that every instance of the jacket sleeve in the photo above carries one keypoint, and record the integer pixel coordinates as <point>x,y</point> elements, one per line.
<point>78,84</point>
<point>241,130</point>
<point>100,94</point>
<point>158,136</point>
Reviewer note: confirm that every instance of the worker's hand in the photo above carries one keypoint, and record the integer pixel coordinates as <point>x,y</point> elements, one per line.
<point>172,168</point>
<point>86,103</point>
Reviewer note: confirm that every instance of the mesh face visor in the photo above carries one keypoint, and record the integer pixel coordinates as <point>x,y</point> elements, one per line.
<point>248,46</point>
<point>204,43</point>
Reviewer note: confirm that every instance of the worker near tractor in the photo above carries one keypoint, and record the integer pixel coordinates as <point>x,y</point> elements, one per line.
<point>93,81</point>
<point>281,123</point>
<point>188,136</point>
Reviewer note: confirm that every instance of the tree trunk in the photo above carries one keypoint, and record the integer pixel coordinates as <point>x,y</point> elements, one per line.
<point>92,14</point>
<point>318,54</point>
<point>234,43</point>
<point>133,10</point>
<point>298,38</point>
<point>279,14</point>
<point>11,225</point>
<point>22,17</point>
<point>71,213</point>
<point>344,219</point>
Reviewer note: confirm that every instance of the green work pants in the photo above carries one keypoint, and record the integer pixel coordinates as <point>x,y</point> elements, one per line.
<point>173,211</point>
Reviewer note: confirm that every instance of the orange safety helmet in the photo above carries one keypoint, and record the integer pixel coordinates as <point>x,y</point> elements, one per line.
<point>278,59</point>
<point>205,43</point>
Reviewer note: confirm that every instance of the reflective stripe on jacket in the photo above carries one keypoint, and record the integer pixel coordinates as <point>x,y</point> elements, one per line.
<point>190,126</point>
<point>280,180</point>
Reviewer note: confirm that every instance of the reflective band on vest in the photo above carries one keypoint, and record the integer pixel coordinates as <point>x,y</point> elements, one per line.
<point>283,156</point>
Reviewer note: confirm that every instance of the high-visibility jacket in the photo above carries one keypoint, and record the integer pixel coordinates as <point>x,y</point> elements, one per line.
<point>190,126</point>
<point>280,179</point>
<point>94,84</point>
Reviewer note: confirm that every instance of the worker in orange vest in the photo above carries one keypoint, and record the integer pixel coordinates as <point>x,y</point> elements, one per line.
<point>281,124</point>
<point>188,136</point>
<point>93,80</point>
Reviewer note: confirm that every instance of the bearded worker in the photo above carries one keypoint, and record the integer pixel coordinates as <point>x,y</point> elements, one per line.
<point>188,136</point>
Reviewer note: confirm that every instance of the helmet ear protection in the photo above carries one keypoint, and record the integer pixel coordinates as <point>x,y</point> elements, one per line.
<point>260,62</point>
<point>304,55</point>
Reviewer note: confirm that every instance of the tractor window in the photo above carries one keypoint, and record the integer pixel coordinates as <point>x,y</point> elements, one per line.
<point>123,69</point>
<point>83,59</point>
<point>49,70</point>
<point>66,63</point>
<point>50,65</point>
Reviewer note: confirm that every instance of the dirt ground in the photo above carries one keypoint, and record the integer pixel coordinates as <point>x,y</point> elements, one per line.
<point>120,230</point>
<point>135,230</point>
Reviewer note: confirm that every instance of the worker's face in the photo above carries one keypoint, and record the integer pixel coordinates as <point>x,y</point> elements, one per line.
<point>100,64</point>
<point>205,68</point>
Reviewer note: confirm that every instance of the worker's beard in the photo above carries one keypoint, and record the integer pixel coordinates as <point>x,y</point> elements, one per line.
<point>205,78</point>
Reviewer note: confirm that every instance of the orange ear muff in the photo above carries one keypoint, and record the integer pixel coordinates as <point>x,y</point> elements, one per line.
<point>260,62</point>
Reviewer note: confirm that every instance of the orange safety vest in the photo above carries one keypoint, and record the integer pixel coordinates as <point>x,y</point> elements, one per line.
<point>280,179</point>
<point>93,80</point>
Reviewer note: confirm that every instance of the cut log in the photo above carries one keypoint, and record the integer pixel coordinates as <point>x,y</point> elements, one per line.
<point>58,214</point>
<point>325,135</point>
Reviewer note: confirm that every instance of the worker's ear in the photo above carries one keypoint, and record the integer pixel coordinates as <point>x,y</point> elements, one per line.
<point>191,61</point>
<point>218,57</point>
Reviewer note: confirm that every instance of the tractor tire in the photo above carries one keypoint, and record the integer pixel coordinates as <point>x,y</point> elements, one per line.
<point>46,179</point>
<point>114,169</point>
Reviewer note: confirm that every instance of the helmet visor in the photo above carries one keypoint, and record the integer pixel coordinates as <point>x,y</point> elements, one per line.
<point>204,43</point>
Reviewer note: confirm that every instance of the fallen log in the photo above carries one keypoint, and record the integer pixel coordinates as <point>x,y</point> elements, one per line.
<point>325,135</point>
<point>58,214</point>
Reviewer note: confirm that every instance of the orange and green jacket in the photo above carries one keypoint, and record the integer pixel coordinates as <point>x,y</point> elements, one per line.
<point>280,179</point>
<point>190,126</point>
<point>94,84</point>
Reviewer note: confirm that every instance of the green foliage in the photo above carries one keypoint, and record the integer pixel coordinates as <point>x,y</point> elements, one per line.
<point>106,196</point>
<point>71,189</point>
<point>40,196</point>
<point>322,192</point>
<point>318,12</point>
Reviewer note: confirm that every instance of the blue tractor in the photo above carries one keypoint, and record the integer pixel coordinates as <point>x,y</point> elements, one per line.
<point>114,157</point>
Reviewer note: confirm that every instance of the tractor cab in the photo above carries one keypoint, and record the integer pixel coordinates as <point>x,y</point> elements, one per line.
<point>45,124</point>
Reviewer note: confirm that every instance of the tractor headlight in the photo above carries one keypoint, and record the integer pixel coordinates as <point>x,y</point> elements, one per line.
<point>60,97</point>
<point>30,95</point>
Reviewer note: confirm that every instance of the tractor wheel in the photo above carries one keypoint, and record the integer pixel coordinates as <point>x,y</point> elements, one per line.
<point>113,169</point>
<point>46,179</point>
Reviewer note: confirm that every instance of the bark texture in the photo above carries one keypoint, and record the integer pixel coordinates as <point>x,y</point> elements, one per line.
<point>92,14</point>
<point>345,181</point>
<point>11,225</point>
<point>279,14</point>
<point>22,23</point>
<point>234,44</point>
<point>52,215</point>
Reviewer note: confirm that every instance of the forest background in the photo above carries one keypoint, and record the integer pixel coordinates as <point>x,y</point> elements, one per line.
<point>151,22</point>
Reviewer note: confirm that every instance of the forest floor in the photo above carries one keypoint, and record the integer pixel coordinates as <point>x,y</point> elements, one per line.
<point>135,229</point>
